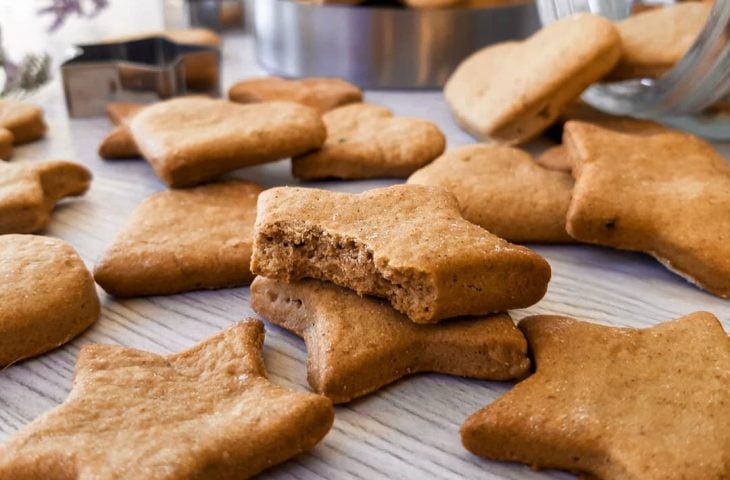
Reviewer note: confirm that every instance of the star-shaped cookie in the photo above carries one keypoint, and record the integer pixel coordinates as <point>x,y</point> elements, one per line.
<point>664,193</point>
<point>29,191</point>
<point>358,344</point>
<point>205,413</point>
<point>634,404</point>
<point>406,243</point>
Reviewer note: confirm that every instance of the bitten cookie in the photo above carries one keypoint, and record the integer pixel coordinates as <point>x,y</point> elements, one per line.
<point>502,190</point>
<point>29,191</point>
<point>655,40</point>
<point>47,297</point>
<point>367,141</point>
<point>6,144</point>
<point>357,345</point>
<point>666,194</point>
<point>23,120</point>
<point>496,98</point>
<point>190,140</point>
<point>635,404</point>
<point>406,243</point>
<point>182,240</point>
<point>320,93</point>
<point>205,413</point>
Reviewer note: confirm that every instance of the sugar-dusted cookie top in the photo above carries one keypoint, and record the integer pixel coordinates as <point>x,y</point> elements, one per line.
<point>357,345</point>
<point>206,412</point>
<point>665,194</point>
<point>190,140</point>
<point>367,141</point>
<point>406,243</point>
<point>654,40</point>
<point>636,404</point>
<point>182,240</point>
<point>29,191</point>
<point>511,92</point>
<point>503,190</point>
<point>320,93</point>
<point>47,296</point>
<point>24,120</point>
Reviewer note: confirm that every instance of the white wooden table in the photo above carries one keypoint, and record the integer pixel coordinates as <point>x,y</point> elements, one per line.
<point>407,430</point>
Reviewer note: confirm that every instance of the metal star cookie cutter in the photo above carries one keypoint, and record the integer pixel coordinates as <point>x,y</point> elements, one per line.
<point>138,71</point>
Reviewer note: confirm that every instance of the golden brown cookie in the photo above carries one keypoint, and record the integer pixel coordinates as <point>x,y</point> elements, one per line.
<point>320,93</point>
<point>190,140</point>
<point>665,194</point>
<point>496,98</point>
<point>555,158</point>
<point>6,144</point>
<point>367,141</point>
<point>23,120</point>
<point>47,297</point>
<point>29,191</point>
<point>356,345</point>
<point>406,243</point>
<point>655,40</point>
<point>120,113</point>
<point>502,190</point>
<point>118,144</point>
<point>635,404</point>
<point>182,240</point>
<point>204,413</point>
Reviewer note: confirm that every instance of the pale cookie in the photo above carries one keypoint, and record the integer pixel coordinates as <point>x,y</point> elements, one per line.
<point>47,297</point>
<point>120,113</point>
<point>497,98</point>
<point>655,40</point>
<point>406,243</point>
<point>634,404</point>
<point>502,190</point>
<point>190,140</point>
<point>555,158</point>
<point>6,144</point>
<point>320,93</point>
<point>367,141</point>
<point>204,413</point>
<point>29,191</point>
<point>23,120</point>
<point>183,240</point>
<point>118,144</point>
<point>356,345</point>
<point>666,194</point>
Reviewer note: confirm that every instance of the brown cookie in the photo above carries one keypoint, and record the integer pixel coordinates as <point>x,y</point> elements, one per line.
<point>498,99</point>
<point>119,144</point>
<point>357,345</point>
<point>406,243</point>
<point>320,93</point>
<point>206,412</point>
<point>502,190</point>
<point>462,3</point>
<point>120,113</point>
<point>29,191</point>
<point>655,40</point>
<point>664,194</point>
<point>555,158</point>
<point>47,297</point>
<point>23,120</point>
<point>183,240</point>
<point>6,144</point>
<point>367,141</point>
<point>635,404</point>
<point>190,140</point>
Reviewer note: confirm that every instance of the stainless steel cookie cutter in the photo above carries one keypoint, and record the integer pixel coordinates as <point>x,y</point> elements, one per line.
<point>140,71</point>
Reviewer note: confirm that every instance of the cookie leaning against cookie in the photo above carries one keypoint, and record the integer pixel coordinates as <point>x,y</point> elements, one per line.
<point>634,404</point>
<point>357,345</point>
<point>511,92</point>
<point>320,93</point>
<point>206,413</point>
<point>502,190</point>
<point>119,143</point>
<point>406,243</point>
<point>367,141</point>
<point>47,297</point>
<point>182,240</point>
<point>666,194</point>
<point>191,140</point>
<point>29,191</point>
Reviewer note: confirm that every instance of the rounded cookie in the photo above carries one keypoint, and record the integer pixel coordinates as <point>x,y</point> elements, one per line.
<point>24,120</point>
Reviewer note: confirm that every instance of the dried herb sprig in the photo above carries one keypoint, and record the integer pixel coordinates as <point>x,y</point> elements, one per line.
<point>62,9</point>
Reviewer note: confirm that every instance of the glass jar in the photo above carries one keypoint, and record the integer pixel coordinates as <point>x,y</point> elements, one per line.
<point>684,96</point>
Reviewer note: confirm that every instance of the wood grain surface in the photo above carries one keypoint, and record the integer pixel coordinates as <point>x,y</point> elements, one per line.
<point>408,430</point>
